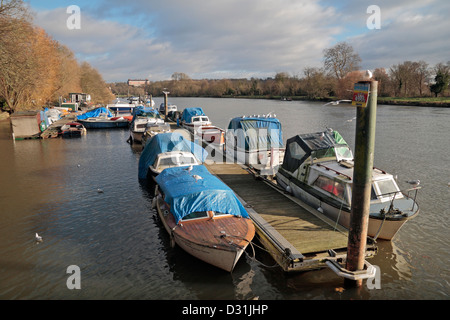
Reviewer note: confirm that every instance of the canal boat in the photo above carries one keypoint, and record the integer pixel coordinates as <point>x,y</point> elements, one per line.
<point>256,141</point>
<point>166,150</point>
<point>203,216</point>
<point>143,117</point>
<point>102,118</point>
<point>72,130</point>
<point>318,169</point>
<point>193,118</point>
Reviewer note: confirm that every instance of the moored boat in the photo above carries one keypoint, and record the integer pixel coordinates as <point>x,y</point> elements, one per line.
<point>153,129</point>
<point>192,118</point>
<point>166,150</point>
<point>203,216</point>
<point>72,130</point>
<point>256,141</point>
<point>318,169</point>
<point>143,117</point>
<point>102,118</point>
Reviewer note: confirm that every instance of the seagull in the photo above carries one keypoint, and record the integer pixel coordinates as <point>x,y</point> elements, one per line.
<point>189,168</point>
<point>38,238</point>
<point>368,75</point>
<point>335,103</point>
<point>350,120</point>
<point>197,177</point>
<point>414,183</point>
<point>99,190</point>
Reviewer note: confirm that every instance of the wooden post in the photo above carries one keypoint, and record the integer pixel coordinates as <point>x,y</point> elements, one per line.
<point>165,104</point>
<point>362,178</point>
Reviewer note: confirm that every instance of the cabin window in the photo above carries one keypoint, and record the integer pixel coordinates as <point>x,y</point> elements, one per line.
<point>329,185</point>
<point>296,151</point>
<point>387,189</point>
<point>196,215</point>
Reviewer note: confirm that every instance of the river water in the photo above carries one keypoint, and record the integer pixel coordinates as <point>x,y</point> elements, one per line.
<point>51,187</point>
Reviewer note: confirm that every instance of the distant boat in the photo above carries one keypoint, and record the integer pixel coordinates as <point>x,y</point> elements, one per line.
<point>256,141</point>
<point>203,216</point>
<point>318,169</point>
<point>102,118</point>
<point>72,130</point>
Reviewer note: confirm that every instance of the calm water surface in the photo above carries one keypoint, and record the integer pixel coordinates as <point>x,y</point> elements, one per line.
<point>51,187</point>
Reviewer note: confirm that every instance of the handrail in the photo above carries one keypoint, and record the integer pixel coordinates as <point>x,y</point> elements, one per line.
<point>337,172</point>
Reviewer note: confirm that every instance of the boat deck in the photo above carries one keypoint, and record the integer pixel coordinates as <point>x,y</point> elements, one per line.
<point>297,236</point>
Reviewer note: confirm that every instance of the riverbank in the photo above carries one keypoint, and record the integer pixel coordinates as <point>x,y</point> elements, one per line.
<point>421,102</point>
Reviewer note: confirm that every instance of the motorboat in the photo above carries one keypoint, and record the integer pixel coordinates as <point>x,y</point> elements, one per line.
<point>170,108</point>
<point>72,130</point>
<point>102,118</point>
<point>318,169</point>
<point>166,150</point>
<point>256,141</point>
<point>203,216</point>
<point>152,129</point>
<point>192,118</point>
<point>143,117</point>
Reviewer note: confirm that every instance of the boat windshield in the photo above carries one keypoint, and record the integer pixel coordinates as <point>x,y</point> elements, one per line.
<point>197,119</point>
<point>386,189</point>
<point>203,214</point>
<point>177,160</point>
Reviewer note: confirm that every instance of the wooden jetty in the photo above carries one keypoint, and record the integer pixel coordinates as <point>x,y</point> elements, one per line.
<point>298,237</point>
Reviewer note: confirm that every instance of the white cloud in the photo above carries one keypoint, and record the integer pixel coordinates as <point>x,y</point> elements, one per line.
<point>245,38</point>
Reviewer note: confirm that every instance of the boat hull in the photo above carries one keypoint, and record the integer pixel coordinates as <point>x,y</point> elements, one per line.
<point>378,228</point>
<point>107,124</point>
<point>219,251</point>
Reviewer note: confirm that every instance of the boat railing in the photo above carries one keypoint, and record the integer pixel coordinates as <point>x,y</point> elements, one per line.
<point>405,192</point>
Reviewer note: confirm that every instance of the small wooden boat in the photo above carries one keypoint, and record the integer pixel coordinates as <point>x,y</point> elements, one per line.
<point>72,130</point>
<point>203,216</point>
<point>318,169</point>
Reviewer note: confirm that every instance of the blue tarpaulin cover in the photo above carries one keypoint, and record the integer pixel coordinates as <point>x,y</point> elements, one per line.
<point>142,111</point>
<point>256,133</point>
<point>188,113</point>
<point>165,142</point>
<point>186,193</point>
<point>95,113</point>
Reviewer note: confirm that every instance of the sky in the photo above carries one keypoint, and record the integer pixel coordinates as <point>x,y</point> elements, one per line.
<point>216,39</point>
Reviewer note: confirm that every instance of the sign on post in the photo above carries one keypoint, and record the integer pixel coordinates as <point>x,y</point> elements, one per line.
<point>360,94</point>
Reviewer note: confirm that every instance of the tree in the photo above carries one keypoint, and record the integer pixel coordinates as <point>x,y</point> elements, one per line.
<point>93,83</point>
<point>340,60</point>
<point>441,79</point>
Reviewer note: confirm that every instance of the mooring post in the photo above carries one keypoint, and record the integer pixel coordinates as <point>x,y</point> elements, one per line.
<point>165,105</point>
<point>362,175</point>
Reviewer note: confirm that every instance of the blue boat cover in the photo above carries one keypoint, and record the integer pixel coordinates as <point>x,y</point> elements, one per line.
<point>256,133</point>
<point>95,113</point>
<point>186,193</point>
<point>188,113</point>
<point>165,142</point>
<point>141,111</point>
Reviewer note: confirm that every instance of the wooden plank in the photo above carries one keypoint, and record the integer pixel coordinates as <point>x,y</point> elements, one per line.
<point>297,226</point>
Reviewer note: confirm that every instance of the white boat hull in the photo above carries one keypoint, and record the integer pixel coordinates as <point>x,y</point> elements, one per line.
<point>378,228</point>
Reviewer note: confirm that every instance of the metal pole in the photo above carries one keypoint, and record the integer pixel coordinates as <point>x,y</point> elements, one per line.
<point>362,182</point>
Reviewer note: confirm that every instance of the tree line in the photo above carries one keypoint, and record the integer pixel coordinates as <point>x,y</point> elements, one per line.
<point>35,70</point>
<point>341,69</point>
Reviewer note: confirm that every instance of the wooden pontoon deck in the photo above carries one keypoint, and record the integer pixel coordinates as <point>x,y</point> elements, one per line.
<point>297,236</point>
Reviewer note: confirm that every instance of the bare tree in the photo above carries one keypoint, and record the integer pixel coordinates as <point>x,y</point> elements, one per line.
<point>341,59</point>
